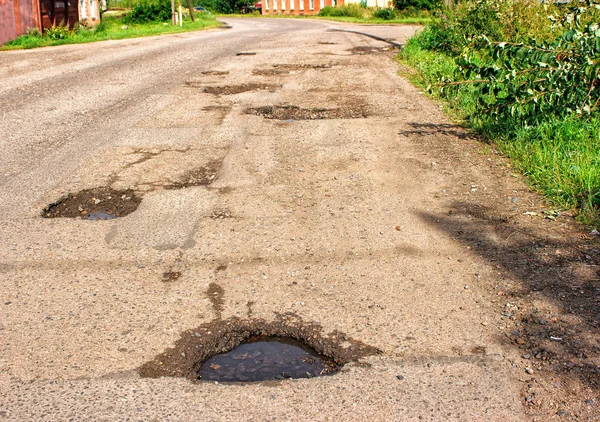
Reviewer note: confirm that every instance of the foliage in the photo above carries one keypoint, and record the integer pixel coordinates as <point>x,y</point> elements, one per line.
<point>386,14</point>
<point>58,32</point>
<point>523,83</point>
<point>418,4</point>
<point>230,6</point>
<point>111,29</point>
<point>531,87</point>
<point>150,11</point>
<point>347,10</point>
<point>498,20</point>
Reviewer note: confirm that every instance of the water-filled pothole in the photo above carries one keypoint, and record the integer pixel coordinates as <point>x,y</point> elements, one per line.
<point>243,350</point>
<point>94,204</point>
<point>263,358</point>
<point>292,112</point>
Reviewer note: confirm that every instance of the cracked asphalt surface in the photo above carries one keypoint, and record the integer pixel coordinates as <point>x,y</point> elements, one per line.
<point>373,224</point>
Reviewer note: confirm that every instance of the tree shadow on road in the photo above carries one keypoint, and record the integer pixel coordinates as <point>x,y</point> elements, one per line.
<point>535,267</point>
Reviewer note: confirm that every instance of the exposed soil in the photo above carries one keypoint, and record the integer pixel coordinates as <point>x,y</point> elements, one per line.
<point>201,176</point>
<point>197,345</point>
<point>94,204</point>
<point>293,66</point>
<point>215,72</point>
<point>291,112</point>
<point>215,294</point>
<point>171,276</point>
<point>362,50</point>
<point>221,214</point>
<point>283,69</point>
<point>238,89</point>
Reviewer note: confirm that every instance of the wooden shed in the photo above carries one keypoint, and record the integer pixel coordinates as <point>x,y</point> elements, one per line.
<point>18,16</point>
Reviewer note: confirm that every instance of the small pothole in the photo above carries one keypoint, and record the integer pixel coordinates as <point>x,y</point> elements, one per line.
<point>238,89</point>
<point>201,176</point>
<point>171,276</point>
<point>291,112</point>
<point>262,358</point>
<point>215,72</point>
<point>246,350</point>
<point>94,204</point>
<point>362,50</point>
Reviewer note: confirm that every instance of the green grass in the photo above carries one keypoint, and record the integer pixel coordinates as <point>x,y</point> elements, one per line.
<point>367,20</point>
<point>560,157</point>
<point>112,28</point>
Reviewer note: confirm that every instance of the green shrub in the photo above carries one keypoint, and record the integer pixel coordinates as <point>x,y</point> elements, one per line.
<point>348,10</point>
<point>150,11</point>
<point>418,4</point>
<point>529,82</point>
<point>57,32</point>
<point>387,14</point>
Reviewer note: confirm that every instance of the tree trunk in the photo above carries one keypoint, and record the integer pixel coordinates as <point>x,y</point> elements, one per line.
<point>189,2</point>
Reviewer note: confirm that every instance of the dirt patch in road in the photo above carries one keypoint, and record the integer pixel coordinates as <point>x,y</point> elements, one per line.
<point>201,176</point>
<point>197,345</point>
<point>171,276</point>
<point>294,66</point>
<point>215,72</point>
<point>291,112</point>
<point>215,294</point>
<point>238,89</point>
<point>365,49</point>
<point>94,204</point>
<point>286,68</point>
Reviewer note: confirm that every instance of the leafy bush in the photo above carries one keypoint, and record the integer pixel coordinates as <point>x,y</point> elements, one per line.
<point>57,32</point>
<point>498,20</point>
<point>527,77</point>
<point>418,4</point>
<point>524,83</point>
<point>150,11</point>
<point>387,14</point>
<point>347,10</point>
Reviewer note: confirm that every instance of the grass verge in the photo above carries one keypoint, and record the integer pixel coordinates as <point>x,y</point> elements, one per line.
<point>347,19</point>
<point>560,156</point>
<point>111,28</point>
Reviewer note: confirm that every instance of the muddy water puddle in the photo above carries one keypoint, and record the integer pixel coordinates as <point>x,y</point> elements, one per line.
<point>94,204</point>
<point>263,358</point>
<point>291,112</point>
<point>243,350</point>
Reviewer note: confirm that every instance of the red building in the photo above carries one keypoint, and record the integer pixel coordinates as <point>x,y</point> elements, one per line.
<point>296,7</point>
<point>18,16</point>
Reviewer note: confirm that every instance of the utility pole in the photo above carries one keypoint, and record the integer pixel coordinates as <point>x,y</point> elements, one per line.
<point>173,13</point>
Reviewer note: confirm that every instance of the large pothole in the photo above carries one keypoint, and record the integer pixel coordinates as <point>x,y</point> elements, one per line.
<point>237,350</point>
<point>292,112</point>
<point>286,68</point>
<point>94,204</point>
<point>237,89</point>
